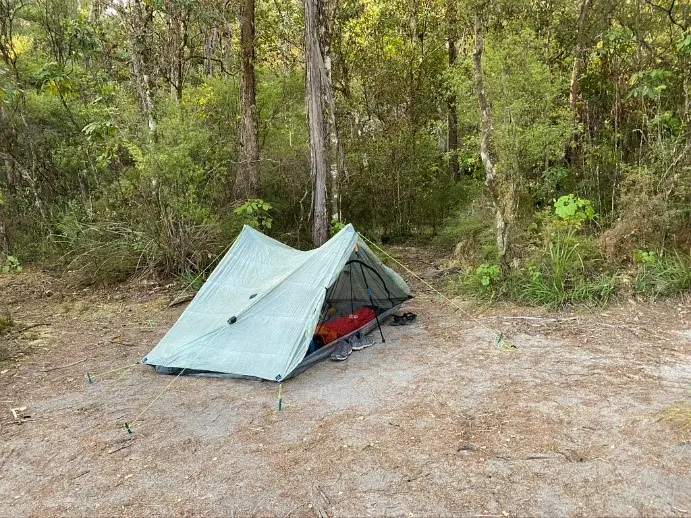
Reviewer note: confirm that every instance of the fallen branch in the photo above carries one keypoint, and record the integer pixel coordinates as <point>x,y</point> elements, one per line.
<point>65,366</point>
<point>26,328</point>
<point>537,319</point>
<point>177,302</point>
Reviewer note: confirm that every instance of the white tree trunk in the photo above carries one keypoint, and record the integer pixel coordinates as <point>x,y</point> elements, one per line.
<point>492,182</point>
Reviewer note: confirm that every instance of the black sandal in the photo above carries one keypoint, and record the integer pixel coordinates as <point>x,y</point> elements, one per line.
<point>404,319</point>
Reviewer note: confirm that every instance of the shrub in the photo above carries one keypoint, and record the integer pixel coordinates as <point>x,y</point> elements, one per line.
<point>11,264</point>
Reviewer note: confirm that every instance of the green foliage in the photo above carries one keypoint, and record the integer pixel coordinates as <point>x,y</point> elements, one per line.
<point>85,183</point>
<point>255,213</point>
<point>336,226</point>
<point>573,209</point>
<point>488,275</point>
<point>564,270</point>
<point>662,274</point>
<point>11,265</point>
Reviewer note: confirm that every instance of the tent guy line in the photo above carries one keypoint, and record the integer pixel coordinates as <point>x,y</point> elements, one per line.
<point>499,334</point>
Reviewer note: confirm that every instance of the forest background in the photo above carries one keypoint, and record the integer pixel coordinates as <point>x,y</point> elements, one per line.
<point>543,147</point>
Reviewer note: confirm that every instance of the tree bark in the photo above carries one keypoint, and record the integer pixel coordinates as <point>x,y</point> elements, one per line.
<point>578,58</point>
<point>247,179</point>
<point>452,115</point>
<point>492,181</point>
<point>336,155</point>
<point>142,16</point>
<point>571,148</point>
<point>210,44</point>
<point>315,117</point>
<point>4,236</point>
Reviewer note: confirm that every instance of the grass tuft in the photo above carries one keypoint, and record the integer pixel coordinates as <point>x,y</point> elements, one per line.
<point>679,414</point>
<point>6,323</point>
<point>663,275</point>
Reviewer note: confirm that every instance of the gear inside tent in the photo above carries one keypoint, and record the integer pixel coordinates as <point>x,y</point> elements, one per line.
<point>270,311</point>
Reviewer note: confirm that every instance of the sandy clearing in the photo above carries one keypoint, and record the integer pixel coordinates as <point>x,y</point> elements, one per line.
<point>436,421</point>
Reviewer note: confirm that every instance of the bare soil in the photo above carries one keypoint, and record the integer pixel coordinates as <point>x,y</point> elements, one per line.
<point>437,421</point>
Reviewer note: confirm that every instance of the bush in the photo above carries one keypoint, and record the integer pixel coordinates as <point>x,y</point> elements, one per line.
<point>483,282</point>
<point>109,252</point>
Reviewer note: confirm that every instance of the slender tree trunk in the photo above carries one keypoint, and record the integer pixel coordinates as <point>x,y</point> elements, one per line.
<point>95,11</point>
<point>578,58</point>
<point>571,151</point>
<point>7,181</point>
<point>142,16</point>
<point>452,116</point>
<point>315,116</point>
<point>492,182</point>
<point>336,155</point>
<point>210,44</point>
<point>247,179</point>
<point>4,236</point>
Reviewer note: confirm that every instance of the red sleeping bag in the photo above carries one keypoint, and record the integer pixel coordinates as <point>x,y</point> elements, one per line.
<point>349,323</point>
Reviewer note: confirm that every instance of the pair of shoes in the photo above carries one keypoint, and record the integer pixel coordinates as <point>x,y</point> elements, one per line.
<point>361,342</point>
<point>404,319</point>
<point>342,351</point>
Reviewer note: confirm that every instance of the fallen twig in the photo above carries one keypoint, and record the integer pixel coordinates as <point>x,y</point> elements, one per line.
<point>537,319</point>
<point>26,328</point>
<point>326,500</point>
<point>65,366</point>
<point>19,417</point>
<point>126,445</point>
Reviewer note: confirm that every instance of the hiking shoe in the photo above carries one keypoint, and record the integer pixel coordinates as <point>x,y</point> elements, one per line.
<point>362,342</point>
<point>342,351</point>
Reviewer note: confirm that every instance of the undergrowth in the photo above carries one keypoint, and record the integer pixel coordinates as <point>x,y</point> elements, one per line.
<point>566,267</point>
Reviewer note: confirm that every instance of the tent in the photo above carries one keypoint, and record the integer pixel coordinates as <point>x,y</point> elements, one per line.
<point>257,313</point>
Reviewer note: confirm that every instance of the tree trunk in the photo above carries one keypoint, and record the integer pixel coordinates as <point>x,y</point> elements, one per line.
<point>210,44</point>
<point>4,237</point>
<point>571,151</point>
<point>452,116</point>
<point>7,181</point>
<point>142,15</point>
<point>315,116</point>
<point>578,58</point>
<point>247,179</point>
<point>336,155</point>
<point>492,182</point>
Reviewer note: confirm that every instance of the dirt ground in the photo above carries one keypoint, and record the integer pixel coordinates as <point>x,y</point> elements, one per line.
<point>437,421</point>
